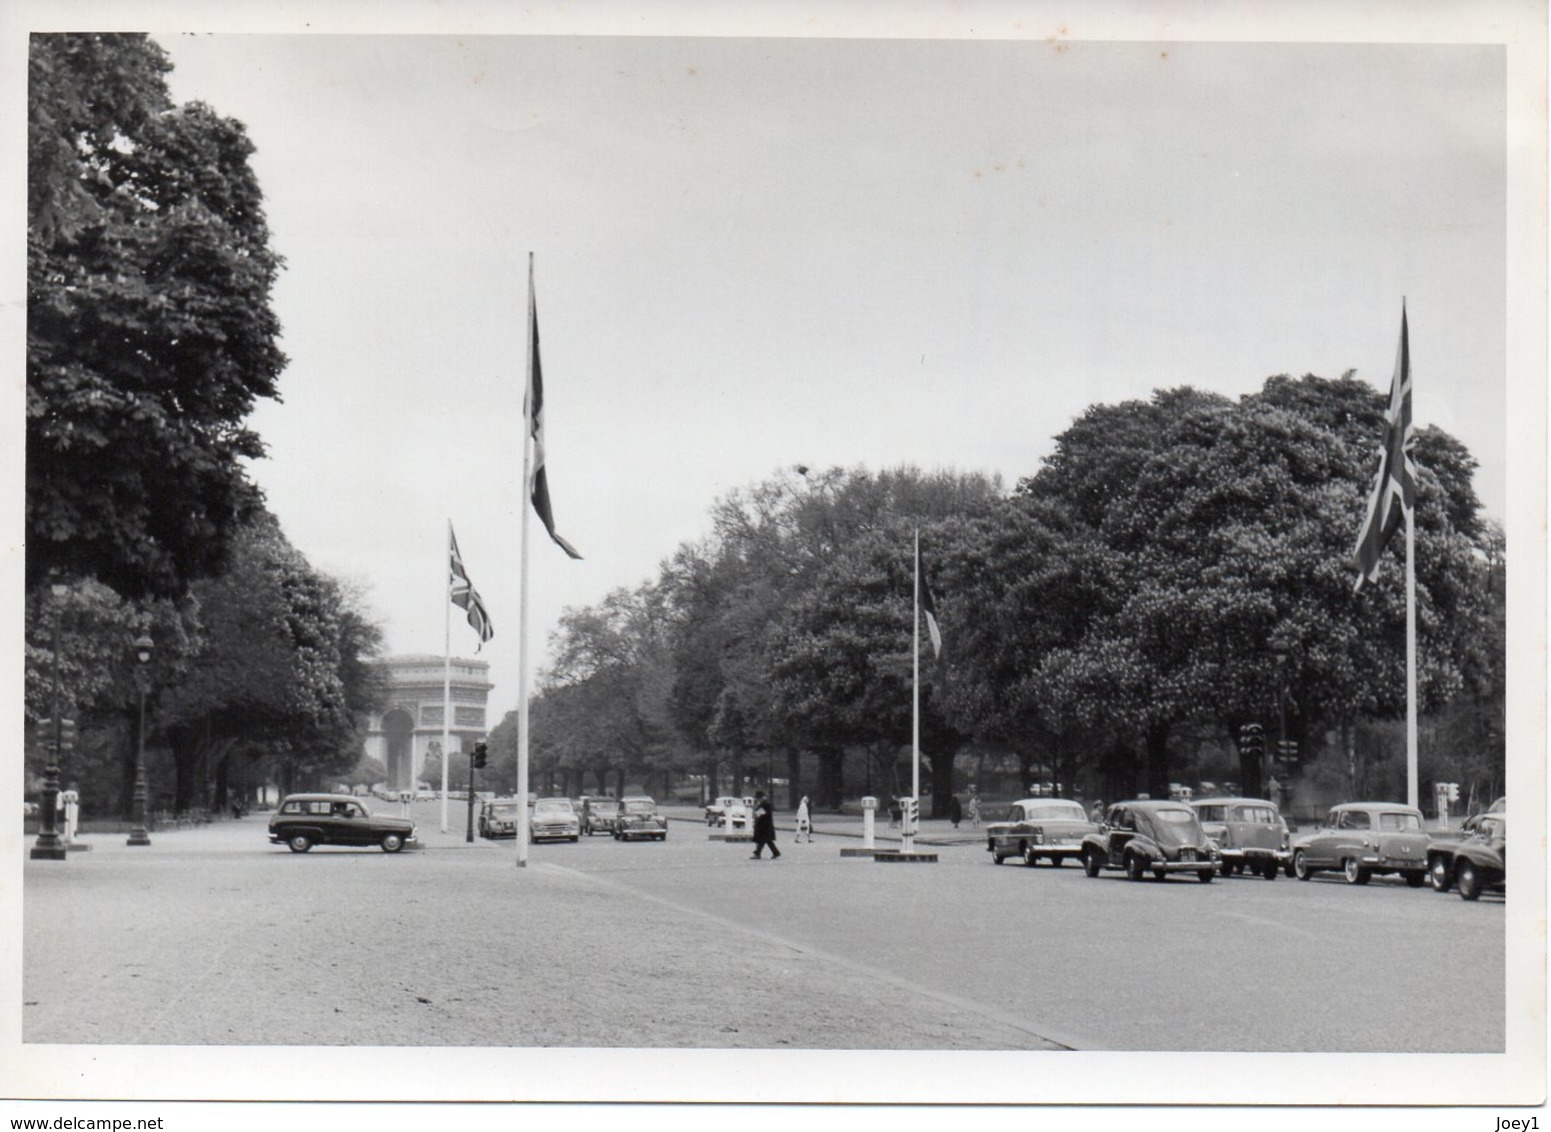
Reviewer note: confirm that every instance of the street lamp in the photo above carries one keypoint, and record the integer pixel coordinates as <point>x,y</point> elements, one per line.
<point>144,647</point>
<point>49,846</point>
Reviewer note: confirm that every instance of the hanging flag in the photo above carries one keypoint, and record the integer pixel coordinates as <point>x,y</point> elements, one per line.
<point>539,480</point>
<point>928,605</point>
<point>1394,485</point>
<point>463,593</point>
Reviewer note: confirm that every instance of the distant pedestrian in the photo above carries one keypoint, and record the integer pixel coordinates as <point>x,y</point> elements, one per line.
<point>1097,813</point>
<point>894,811</point>
<point>804,821</point>
<point>955,811</point>
<point>974,809</point>
<point>764,826</point>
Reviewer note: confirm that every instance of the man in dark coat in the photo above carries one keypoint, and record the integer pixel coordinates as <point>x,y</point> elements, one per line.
<point>764,826</point>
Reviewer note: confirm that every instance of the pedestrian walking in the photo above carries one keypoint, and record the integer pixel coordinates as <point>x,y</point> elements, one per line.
<point>1097,813</point>
<point>974,809</point>
<point>804,821</point>
<point>764,826</point>
<point>955,811</point>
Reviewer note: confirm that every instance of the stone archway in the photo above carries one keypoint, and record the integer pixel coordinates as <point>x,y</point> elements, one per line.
<point>398,728</point>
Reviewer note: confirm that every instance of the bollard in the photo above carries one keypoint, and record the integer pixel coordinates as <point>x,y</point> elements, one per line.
<point>869,809</point>
<point>70,801</point>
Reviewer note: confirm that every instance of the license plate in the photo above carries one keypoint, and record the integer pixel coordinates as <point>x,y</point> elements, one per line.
<point>1187,855</point>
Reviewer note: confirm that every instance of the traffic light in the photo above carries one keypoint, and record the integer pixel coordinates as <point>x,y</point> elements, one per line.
<point>56,738</point>
<point>481,754</point>
<point>1252,739</point>
<point>1287,749</point>
<point>909,810</point>
<point>66,736</point>
<point>1453,791</point>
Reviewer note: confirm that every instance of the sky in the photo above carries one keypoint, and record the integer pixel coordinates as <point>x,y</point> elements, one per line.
<point>756,252</point>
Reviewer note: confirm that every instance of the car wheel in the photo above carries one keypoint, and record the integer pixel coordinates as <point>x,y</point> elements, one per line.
<point>1270,870</point>
<point>996,858</point>
<point>1134,867</point>
<point>1354,873</point>
<point>392,843</point>
<point>1029,860</point>
<point>299,843</point>
<point>1415,880</point>
<point>1159,872</point>
<point>1301,868</point>
<point>1225,869</point>
<point>1092,862</point>
<point>1057,861</point>
<point>1206,875</point>
<point>1438,873</point>
<point>576,838</point>
<point>1469,883</point>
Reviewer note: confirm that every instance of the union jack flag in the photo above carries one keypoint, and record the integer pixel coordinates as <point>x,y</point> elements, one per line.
<point>463,593</point>
<point>1394,484</point>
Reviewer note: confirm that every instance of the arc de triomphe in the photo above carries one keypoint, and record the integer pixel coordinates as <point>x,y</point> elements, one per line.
<point>403,734</point>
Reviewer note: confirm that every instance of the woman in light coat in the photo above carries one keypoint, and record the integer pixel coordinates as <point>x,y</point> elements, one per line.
<point>804,821</point>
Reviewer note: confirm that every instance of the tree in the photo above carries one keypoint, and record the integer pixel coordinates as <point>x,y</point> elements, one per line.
<point>278,668</point>
<point>149,332</point>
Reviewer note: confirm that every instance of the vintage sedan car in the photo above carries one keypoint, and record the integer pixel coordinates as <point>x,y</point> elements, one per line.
<point>1154,837</point>
<point>729,811</point>
<point>597,815</point>
<point>638,817</point>
<point>1362,839</point>
<point>1039,828</point>
<point>553,819</point>
<point>1249,833</point>
<point>1477,863</point>
<point>304,820</point>
<point>498,818</point>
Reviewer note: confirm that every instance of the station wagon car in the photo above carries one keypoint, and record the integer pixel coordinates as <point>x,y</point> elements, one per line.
<point>1249,833</point>
<point>1477,863</point>
<point>305,820</point>
<point>1035,828</point>
<point>1151,836</point>
<point>638,817</point>
<point>553,819</point>
<point>498,818</point>
<point>597,815</point>
<point>1361,839</point>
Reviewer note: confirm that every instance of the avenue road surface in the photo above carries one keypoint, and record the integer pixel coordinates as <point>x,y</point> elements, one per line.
<point>214,936</point>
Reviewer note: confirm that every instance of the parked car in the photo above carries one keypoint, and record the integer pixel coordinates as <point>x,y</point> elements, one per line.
<point>305,820</point>
<point>1035,828</point>
<point>1361,839</point>
<point>1249,834</point>
<point>638,817</point>
<point>1477,863</point>
<point>597,815</point>
<point>1151,836</point>
<point>553,819</point>
<point>729,811</point>
<point>498,818</point>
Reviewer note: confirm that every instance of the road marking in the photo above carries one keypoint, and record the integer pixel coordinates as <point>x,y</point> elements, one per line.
<point>1065,1041</point>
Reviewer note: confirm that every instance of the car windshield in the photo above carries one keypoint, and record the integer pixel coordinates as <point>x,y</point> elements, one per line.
<point>603,804</point>
<point>553,807</point>
<point>1055,811</point>
<point>1180,816</point>
<point>1258,815</point>
<point>1395,822</point>
<point>642,807</point>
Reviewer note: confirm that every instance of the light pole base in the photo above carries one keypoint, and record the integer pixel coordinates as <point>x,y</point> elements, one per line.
<point>138,837</point>
<point>42,852</point>
<point>905,856</point>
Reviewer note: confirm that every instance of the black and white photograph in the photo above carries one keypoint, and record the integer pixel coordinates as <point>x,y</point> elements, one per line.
<point>747,558</point>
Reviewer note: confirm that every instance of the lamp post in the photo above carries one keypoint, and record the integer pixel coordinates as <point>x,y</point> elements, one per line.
<point>144,646</point>
<point>49,846</point>
<point>1280,647</point>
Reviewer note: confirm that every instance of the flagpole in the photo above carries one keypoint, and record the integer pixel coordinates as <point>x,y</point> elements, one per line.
<point>522,629</point>
<point>446,673</point>
<point>1411,772</point>
<point>907,835</point>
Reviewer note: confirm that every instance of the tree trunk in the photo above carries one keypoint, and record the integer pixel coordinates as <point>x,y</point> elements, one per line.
<point>1158,760</point>
<point>831,763</point>
<point>1025,767</point>
<point>794,790</point>
<point>942,781</point>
